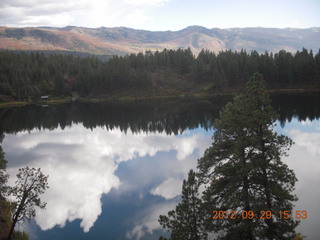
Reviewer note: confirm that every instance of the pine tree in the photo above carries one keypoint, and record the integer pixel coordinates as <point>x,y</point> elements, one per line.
<point>244,172</point>
<point>186,221</point>
<point>30,184</point>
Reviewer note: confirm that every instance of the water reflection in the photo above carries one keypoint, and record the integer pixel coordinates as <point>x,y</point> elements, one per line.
<point>170,116</point>
<point>304,160</point>
<point>114,168</point>
<point>82,166</point>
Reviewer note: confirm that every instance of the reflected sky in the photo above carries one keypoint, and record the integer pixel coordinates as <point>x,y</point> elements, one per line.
<point>83,165</point>
<point>107,184</point>
<point>304,159</point>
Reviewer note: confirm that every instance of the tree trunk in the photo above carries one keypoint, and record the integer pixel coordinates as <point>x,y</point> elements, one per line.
<point>247,207</point>
<point>271,231</point>
<point>12,227</point>
<point>16,215</point>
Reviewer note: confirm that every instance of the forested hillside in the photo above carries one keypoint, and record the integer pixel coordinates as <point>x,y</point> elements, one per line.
<point>27,76</point>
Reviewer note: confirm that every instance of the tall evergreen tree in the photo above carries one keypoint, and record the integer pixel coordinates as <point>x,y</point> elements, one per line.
<point>244,172</point>
<point>186,221</point>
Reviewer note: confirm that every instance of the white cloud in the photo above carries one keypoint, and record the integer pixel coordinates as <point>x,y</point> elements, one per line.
<point>56,19</point>
<point>168,189</point>
<point>131,13</point>
<point>311,141</point>
<point>306,122</point>
<point>81,165</point>
<point>147,220</point>
<point>304,160</point>
<point>77,180</point>
<point>146,2</point>
<point>186,147</point>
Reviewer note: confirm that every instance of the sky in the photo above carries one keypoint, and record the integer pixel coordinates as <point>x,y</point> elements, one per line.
<point>161,15</point>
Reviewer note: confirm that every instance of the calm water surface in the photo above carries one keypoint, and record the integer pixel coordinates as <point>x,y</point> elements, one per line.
<point>114,168</point>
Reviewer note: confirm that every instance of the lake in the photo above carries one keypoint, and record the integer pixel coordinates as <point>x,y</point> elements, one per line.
<point>115,167</point>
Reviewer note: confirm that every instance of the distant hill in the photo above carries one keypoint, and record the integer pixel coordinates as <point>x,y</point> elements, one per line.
<point>121,40</point>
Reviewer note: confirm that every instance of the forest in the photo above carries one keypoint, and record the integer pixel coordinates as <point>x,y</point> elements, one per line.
<point>29,75</point>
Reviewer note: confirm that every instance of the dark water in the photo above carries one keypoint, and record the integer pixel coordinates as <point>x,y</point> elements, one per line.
<point>114,168</point>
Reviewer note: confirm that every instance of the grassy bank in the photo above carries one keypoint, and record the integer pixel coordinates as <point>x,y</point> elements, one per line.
<point>295,90</point>
<point>23,103</point>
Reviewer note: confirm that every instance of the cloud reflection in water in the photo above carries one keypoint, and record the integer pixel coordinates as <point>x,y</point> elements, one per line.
<point>82,163</point>
<point>304,159</point>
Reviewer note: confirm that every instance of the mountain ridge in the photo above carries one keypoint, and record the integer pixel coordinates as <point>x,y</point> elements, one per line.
<point>123,40</point>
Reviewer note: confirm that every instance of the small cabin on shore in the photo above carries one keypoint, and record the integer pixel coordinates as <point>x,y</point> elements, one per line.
<point>44,98</point>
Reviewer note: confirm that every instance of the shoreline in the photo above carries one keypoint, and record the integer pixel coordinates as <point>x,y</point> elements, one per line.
<point>130,98</point>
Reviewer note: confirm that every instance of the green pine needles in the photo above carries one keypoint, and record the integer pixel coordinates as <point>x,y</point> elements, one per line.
<point>246,183</point>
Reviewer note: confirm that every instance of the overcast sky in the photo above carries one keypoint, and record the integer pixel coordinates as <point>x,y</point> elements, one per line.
<point>161,14</point>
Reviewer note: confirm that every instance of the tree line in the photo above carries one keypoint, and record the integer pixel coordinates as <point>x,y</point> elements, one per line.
<point>28,75</point>
<point>147,116</point>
